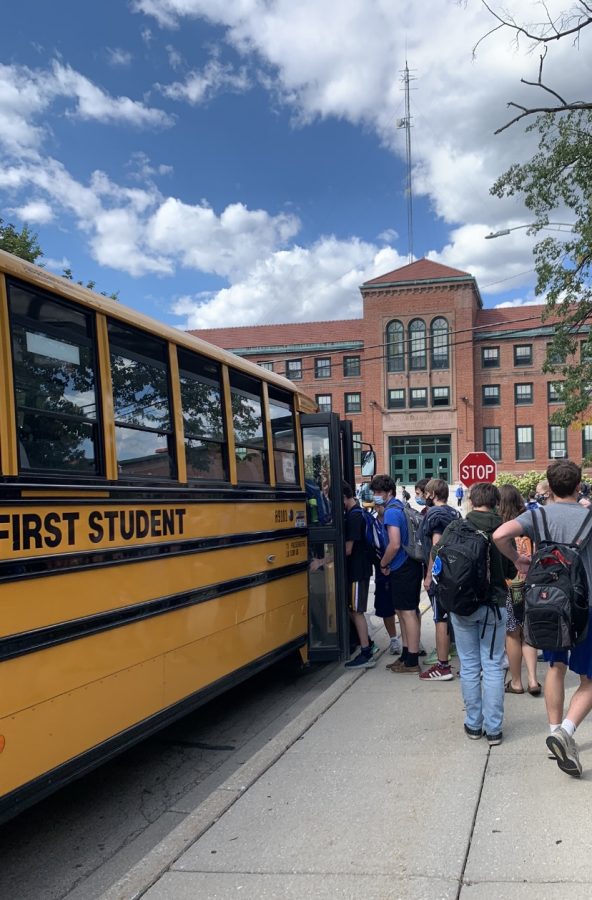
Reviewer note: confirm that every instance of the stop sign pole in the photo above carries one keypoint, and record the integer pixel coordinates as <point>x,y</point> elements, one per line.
<point>477,467</point>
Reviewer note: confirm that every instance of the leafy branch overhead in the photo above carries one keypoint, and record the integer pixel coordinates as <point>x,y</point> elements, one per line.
<point>556,184</point>
<point>566,24</point>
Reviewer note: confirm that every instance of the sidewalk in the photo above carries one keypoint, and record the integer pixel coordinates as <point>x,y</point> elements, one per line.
<point>375,792</point>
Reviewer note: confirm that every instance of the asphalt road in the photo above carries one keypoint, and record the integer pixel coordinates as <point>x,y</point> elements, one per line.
<point>78,842</point>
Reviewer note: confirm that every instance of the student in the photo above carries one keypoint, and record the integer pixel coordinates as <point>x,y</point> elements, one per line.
<point>480,637</point>
<point>564,517</point>
<point>437,517</point>
<point>358,572</point>
<point>405,574</point>
<point>459,494</point>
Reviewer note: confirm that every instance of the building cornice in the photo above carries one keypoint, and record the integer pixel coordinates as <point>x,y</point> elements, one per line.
<point>326,346</point>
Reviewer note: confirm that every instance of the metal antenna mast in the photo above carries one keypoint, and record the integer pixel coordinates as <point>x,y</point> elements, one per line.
<point>406,124</point>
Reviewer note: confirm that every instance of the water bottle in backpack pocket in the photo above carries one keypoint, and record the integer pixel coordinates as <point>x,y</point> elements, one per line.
<point>556,594</point>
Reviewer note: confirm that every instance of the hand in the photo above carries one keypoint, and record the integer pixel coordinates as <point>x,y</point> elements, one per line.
<point>522,564</point>
<point>427,582</point>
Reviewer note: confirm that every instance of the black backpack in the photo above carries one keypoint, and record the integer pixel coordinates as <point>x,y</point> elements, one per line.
<point>461,568</point>
<point>556,592</point>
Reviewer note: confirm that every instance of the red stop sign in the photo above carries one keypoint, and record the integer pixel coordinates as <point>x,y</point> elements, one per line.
<point>476,468</point>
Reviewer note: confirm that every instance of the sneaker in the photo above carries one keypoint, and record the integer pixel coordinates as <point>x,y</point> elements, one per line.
<point>438,672</point>
<point>422,650</point>
<point>494,739</point>
<point>374,648</point>
<point>432,659</point>
<point>453,651</point>
<point>361,661</point>
<point>399,668</point>
<point>395,648</point>
<point>473,733</point>
<point>563,747</point>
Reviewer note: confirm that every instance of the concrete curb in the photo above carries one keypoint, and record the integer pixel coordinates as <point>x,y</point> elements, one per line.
<point>149,869</point>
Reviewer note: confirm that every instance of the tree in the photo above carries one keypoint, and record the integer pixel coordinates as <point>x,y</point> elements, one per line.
<point>559,176</point>
<point>67,274</point>
<point>566,24</point>
<point>21,243</point>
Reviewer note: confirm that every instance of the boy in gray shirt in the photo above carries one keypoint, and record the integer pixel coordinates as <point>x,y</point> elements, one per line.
<point>564,518</point>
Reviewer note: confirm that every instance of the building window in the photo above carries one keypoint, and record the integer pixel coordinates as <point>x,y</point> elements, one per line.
<point>492,442</point>
<point>587,441</point>
<point>417,345</point>
<point>357,441</point>
<point>418,397</point>
<point>395,347</point>
<point>353,403</point>
<point>491,394</point>
<point>554,392</point>
<point>523,354</point>
<point>555,357</point>
<point>324,402</point>
<point>396,398</point>
<point>440,353</point>
<point>294,369</point>
<point>586,351</point>
<point>525,442</point>
<point>490,357</point>
<point>440,396</point>
<point>266,365</point>
<point>522,394</point>
<point>557,442</point>
<point>323,367</point>
<point>351,366</point>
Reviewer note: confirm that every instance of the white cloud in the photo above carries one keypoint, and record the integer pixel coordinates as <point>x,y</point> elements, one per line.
<point>344,61</point>
<point>118,57</point>
<point>175,58</point>
<point>56,265</point>
<point>36,212</point>
<point>296,285</point>
<point>199,87</point>
<point>26,94</point>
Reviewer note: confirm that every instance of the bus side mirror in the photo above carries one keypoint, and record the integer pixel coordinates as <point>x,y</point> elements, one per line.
<point>368,463</point>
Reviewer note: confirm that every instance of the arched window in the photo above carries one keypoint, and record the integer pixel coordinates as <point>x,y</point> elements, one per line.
<point>395,347</point>
<point>440,344</point>
<point>417,345</point>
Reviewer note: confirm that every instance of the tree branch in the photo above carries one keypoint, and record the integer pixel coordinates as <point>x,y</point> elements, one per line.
<point>568,107</point>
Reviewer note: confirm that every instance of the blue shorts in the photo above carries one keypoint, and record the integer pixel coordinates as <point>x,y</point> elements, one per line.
<point>579,659</point>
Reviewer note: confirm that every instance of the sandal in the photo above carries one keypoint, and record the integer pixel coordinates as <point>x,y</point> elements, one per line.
<point>535,691</point>
<point>510,690</point>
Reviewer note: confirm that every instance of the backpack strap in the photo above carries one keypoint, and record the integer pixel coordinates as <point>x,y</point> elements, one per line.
<point>576,541</point>
<point>535,527</point>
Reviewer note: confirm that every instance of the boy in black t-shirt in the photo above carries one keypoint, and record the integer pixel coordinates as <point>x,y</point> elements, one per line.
<point>358,572</point>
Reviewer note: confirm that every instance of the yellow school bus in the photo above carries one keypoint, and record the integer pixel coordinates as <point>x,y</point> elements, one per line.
<point>153,539</point>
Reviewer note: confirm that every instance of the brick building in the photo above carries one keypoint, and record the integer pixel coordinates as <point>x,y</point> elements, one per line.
<point>426,375</point>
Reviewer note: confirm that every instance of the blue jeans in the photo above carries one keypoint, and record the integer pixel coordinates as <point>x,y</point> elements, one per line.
<point>484,697</point>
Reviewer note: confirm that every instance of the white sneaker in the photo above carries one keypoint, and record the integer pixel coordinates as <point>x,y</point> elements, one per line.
<point>395,648</point>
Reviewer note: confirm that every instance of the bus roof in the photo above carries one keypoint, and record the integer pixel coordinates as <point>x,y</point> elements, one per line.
<point>26,271</point>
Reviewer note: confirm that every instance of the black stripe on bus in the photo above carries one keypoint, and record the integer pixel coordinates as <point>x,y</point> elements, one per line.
<point>63,632</point>
<point>22,797</point>
<point>65,563</point>
<point>10,493</point>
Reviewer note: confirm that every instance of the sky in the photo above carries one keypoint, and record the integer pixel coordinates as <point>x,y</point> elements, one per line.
<point>241,162</point>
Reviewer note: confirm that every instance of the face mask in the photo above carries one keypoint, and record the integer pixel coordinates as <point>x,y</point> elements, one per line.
<point>421,501</point>
<point>540,498</point>
<point>379,501</point>
<point>429,501</point>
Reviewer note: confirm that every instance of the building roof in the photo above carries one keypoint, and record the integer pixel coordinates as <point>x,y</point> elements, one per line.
<point>263,337</point>
<point>420,270</point>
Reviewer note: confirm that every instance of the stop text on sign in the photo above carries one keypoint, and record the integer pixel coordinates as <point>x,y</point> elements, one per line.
<point>475,472</point>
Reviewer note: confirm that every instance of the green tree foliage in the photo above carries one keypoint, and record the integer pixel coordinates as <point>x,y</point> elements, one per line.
<point>556,179</point>
<point>21,243</point>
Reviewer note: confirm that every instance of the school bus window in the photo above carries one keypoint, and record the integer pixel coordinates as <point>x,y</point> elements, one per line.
<point>247,422</point>
<point>55,384</point>
<point>143,422</point>
<point>203,417</point>
<point>284,440</point>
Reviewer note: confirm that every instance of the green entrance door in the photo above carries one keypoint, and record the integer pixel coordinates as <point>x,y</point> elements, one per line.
<point>421,456</point>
